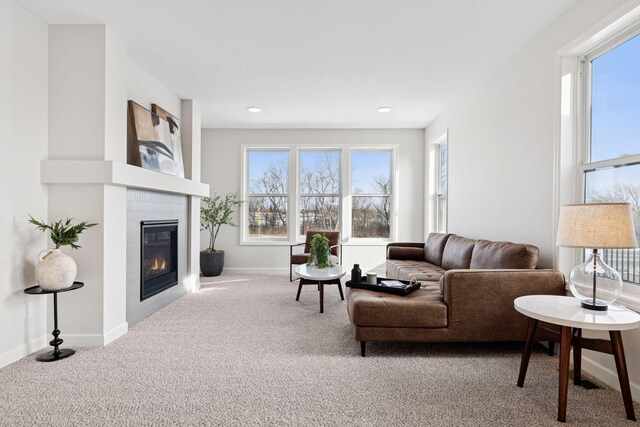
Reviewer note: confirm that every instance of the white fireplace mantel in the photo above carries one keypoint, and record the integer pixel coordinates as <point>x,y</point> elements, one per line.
<point>117,173</point>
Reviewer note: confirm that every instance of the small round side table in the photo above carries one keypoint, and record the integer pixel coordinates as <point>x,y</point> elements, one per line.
<point>56,353</point>
<point>567,313</point>
<point>320,276</point>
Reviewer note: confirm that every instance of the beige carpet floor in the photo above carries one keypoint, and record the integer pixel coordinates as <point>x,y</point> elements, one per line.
<point>243,352</point>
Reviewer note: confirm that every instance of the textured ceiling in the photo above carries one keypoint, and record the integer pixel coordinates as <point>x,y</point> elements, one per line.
<point>315,64</point>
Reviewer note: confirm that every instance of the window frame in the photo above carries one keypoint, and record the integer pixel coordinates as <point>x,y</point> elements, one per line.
<point>573,127</point>
<point>245,182</point>
<point>299,194</point>
<point>293,227</point>
<point>433,194</point>
<point>393,175</point>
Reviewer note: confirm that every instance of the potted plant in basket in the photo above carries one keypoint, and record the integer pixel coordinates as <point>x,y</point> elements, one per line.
<point>56,270</point>
<point>320,252</point>
<point>216,212</point>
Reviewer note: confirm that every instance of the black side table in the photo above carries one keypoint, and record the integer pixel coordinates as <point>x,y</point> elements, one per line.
<point>56,354</point>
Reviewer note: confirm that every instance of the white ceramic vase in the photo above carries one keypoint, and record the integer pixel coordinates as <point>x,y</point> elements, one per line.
<point>55,270</point>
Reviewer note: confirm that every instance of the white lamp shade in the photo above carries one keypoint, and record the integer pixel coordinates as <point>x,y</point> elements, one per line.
<point>597,225</point>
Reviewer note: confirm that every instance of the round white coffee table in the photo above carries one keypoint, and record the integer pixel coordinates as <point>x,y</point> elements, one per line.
<point>567,313</point>
<point>310,275</point>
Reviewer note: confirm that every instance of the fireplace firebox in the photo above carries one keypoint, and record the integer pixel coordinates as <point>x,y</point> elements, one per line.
<point>158,257</point>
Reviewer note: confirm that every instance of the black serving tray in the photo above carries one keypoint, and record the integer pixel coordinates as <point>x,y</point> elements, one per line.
<point>406,290</point>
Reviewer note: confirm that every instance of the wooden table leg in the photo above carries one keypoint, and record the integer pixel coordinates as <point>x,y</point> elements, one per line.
<point>623,375</point>
<point>577,359</point>
<point>526,354</point>
<point>299,289</point>
<point>321,288</point>
<point>563,384</point>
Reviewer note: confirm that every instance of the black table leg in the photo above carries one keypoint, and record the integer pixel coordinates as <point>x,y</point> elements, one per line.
<point>56,354</point>
<point>526,354</point>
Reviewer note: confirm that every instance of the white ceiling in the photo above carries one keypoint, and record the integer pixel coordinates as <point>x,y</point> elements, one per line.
<point>315,64</point>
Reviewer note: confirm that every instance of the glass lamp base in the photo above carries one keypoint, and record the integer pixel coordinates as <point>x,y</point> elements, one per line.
<point>597,306</point>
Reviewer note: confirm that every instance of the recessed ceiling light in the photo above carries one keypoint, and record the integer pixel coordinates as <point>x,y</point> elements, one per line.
<point>254,109</point>
<point>384,109</point>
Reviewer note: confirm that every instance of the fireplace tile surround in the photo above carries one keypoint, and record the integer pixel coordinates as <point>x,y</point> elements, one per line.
<point>143,205</point>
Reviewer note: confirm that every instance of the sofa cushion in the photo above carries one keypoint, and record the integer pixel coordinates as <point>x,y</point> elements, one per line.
<point>423,308</point>
<point>434,247</point>
<point>457,252</point>
<point>419,270</point>
<point>488,254</point>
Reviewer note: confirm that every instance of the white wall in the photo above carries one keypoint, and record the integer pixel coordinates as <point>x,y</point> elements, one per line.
<point>501,141</point>
<point>23,120</point>
<point>145,89</point>
<point>501,154</point>
<point>222,168</point>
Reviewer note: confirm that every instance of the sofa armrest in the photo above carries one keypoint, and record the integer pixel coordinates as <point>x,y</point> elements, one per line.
<point>406,250</point>
<point>482,300</point>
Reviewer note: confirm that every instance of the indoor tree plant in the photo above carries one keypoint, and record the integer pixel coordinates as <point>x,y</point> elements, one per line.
<point>216,212</point>
<point>319,252</point>
<point>56,270</point>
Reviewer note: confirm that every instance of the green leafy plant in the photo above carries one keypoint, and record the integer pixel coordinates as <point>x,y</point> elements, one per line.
<point>63,233</point>
<point>320,251</point>
<point>216,212</point>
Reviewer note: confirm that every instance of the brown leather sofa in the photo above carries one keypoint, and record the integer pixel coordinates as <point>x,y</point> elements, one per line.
<point>467,293</point>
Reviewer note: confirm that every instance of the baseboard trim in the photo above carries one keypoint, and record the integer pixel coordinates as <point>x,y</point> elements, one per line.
<point>271,271</point>
<point>95,340</point>
<point>608,377</point>
<point>23,350</point>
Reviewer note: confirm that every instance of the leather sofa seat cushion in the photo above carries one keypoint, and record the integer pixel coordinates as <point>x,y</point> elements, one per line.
<point>457,252</point>
<point>434,247</point>
<point>423,308</point>
<point>503,255</point>
<point>419,270</point>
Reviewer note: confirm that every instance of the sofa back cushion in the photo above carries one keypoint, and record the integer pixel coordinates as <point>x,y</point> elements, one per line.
<point>434,247</point>
<point>488,254</point>
<point>457,252</point>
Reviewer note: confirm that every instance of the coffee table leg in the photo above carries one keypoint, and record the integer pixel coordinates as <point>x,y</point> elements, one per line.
<point>321,288</point>
<point>623,376</point>
<point>563,384</point>
<point>577,359</point>
<point>526,354</point>
<point>340,289</point>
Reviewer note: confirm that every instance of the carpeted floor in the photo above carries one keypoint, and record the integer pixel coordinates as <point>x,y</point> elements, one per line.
<point>243,352</point>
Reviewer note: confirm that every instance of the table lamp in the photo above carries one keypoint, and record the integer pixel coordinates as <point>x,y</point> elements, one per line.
<point>596,226</point>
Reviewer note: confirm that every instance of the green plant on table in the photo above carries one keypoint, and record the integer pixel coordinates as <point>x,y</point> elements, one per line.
<point>319,252</point>
<point>63,233</point>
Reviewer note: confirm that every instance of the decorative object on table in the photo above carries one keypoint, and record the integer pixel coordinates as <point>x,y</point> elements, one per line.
<point>174,133</point>
<point>149,141</point>
<point>303,258</point>
<point>389,286</point>
<point>372,278</point>
<point>596,226</point>
<point>356,273</point>
<point>216,212</point>
<point>56,354</point>
<point>320,252</point>
<point>56,270</point>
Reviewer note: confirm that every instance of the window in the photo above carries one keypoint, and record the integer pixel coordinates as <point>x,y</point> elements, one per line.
<point>371,189</point>
<point>611,164</point>
<point>267,193</point>
<point>319,183</point>
<point>442,185</point>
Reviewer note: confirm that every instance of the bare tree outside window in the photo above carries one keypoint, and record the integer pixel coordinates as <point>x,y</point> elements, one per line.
<point>371,194</point>
<point>319,190</point>
<point>268,193</point>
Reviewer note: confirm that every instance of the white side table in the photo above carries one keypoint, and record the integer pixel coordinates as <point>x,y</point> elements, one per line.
<point>310,275</point>
<point>567,313</point>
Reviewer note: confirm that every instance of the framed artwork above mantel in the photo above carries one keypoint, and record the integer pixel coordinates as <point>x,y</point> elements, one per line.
<point>154,140</point>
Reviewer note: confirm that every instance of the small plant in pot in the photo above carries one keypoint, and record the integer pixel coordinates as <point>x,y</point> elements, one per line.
<point>216,212</point>
<point>320,252</point>
<point>56,270</point>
